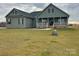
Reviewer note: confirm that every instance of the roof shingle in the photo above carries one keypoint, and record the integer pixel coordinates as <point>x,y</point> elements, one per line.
<point>19,13</point>
<point>36,13</point>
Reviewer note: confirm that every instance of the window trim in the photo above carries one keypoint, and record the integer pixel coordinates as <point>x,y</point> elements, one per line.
<point>52,10</point>
<point>9,21</point>
<point>56,21</point>
<point>18,21</point>
<point>22,21</point>
<point>48,10</point>
<point>39,20</point>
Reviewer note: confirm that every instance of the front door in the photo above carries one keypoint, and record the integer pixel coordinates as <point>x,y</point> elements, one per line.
<point>51,22</point>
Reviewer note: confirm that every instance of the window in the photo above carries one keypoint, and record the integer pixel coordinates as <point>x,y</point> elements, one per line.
<point>52,10</point>
<point>9,21</point>
<point>56,21</point>
<point>48,10</point>
<point>40,20</point>
<point>64,21</point>
<point>14,12</point>
<point>22,20</point>
<point>18,21</point>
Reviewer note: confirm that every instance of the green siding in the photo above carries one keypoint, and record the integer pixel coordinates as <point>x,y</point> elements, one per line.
<point>55,13</point>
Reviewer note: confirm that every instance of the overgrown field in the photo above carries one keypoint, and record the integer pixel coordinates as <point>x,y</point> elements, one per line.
<point>24,42</point>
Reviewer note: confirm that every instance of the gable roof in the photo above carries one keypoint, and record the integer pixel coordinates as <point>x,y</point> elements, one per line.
<point>36,13</point>
<point>19,13</point>
<point>55,7</point>
<point>33,14</point>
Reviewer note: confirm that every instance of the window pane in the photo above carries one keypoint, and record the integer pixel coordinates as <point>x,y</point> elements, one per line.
<point>9,21</point>
<point>22,20</point>
<point>52,10</point>
<point>48,10</point>
<point>56,20</point>
<point>18,21</point>
<point>40,20</point>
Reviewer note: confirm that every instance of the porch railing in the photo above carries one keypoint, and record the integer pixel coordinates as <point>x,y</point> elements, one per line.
<point>42,25</point>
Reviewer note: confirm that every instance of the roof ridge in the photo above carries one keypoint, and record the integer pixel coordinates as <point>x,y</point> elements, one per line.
<point>35,12</point>
<point>60,9</point>
<point>20,10</point>
<point>55,7</point>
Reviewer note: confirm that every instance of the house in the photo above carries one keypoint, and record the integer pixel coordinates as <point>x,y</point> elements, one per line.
<point>51,16</point>
<point>2,24</point>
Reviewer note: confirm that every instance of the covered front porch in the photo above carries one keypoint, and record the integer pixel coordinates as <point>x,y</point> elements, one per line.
<point>51,22</point>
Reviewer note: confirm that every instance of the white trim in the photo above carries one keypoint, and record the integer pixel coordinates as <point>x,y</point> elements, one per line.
<point>47,22</point>
<point>60,21</point>
<point>53,22</point>
<point>36,22</point>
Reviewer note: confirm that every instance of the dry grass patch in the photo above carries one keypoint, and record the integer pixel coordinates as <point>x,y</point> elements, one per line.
<point>39,42</point>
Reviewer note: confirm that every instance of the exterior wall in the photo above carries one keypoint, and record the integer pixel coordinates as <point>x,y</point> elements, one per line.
<point>28,23</point>
<point>14,23</point>
<point>33,22</point>
<point>63,23</point>
<point>42,24</point>
<point>56,13</point>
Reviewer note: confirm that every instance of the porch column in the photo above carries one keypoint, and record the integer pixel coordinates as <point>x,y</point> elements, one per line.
<point>60,20</point>
<point>53,22</point>
<point>36,22</point>
<point>67,21</point>
<point>42,25</point>
<point>47,23</point>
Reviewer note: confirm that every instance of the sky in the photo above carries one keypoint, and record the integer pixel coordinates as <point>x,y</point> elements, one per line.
<point>71,8</point>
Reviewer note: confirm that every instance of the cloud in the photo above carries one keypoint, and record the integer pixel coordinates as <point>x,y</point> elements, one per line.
<point>71,8</point>
<point>39,5</point>
<point>5,8</point>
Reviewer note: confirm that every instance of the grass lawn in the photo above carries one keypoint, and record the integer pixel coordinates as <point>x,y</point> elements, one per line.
<point>39,42</point>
